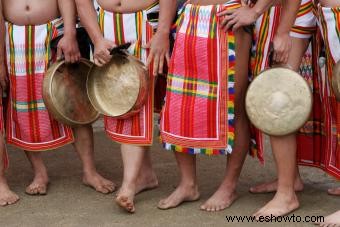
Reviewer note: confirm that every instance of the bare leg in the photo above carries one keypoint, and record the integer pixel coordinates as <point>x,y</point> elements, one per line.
<point>272,185</point>
<point>84,147</point>
<point>133,157</point>
<point>40,181</point>
<point>226,193</point>
<point>284,149</point>
<point>7,197</point>
<point>147,178</point>
<point>187,190</point>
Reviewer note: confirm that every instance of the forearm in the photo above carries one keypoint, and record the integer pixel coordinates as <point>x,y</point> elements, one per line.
<point>167,15</point>
<point>88,18</point>
<point>290,9</point>
<point>67,10</point>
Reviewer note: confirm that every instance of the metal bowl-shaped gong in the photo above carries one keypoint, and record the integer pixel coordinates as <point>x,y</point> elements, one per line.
<point>120,88</point>
<point>278,101</point>
<point>65,95</point>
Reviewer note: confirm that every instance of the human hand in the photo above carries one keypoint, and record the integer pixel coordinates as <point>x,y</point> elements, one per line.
<point>101,52</point>
<point>159,52</point>
<point>68,46</point>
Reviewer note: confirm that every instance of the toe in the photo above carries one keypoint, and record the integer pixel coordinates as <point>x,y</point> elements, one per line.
<point>203,207</point>
<point>3,203</point>
<point>102,190</point>
<point>162,205</point>
<point>110,188</point>
<point>42,190</point>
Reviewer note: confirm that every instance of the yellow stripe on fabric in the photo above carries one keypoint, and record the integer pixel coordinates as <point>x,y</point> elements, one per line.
<point>305,8</point>
<point>32,105</point>
<point>198,82</point>
<point>11,49</point>
<point>101,19</point>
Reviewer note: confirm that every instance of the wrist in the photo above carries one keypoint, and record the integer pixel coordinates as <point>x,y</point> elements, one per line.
<point>257,12</point>
<point>284,32</point>
<point>70,33</point>
<point>163,30</point>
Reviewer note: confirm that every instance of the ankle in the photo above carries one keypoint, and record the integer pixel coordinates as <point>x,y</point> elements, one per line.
<point>287,194</point>
<point>130,186</point>
<point>89,171</point>
<point>41,174</point>
<point>3,179</point>
<point>191,185</point>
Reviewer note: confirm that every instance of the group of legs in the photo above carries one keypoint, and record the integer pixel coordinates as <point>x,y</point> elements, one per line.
<point>138,173</point>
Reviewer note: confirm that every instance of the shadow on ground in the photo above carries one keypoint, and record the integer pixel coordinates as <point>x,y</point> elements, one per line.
<point>69,203</point>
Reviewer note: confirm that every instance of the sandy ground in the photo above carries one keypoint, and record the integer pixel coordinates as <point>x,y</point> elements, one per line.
<point>69,203</point>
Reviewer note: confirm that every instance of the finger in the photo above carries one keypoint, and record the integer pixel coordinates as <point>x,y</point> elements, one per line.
<point>97,62</point>
<point>59,53</point>
<point>102,61</point>
<point>150,58</point>
<point>107,59</point>
<point>155,65</point>
<point>225,20</point>
<point>161,65</point>
<point>67,58</point>
<point>78,57</point>
<point>167,57</point>
<point>147,46</point>
<point>226,12</point>
<point>73,59</point>
<point>237,26</point>
<point>230,24</point>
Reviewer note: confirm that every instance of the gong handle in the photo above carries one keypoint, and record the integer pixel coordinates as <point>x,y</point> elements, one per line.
<point>121,49</point>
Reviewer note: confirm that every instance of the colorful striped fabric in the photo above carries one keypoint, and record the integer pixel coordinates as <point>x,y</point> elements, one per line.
<point>198,115</point>
<point>305,23</point>
<point>136,29</point>
<point>29,125</point>
<point>324,150</point>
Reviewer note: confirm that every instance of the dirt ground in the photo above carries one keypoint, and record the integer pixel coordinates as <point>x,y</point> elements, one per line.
<point>69,203</point>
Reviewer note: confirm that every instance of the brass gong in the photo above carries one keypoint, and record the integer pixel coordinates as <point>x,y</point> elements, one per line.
<point>278,101</point>
<point>120,88</point>
<point>65,95</point>
<point>336,80</point>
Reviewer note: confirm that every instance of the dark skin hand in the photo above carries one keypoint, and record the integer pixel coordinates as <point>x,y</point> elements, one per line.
<point>68,45</point>
<point>245,15</point>
<point>159,45</point>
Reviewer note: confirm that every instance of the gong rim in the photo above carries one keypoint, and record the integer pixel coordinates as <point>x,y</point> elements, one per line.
<point>336,80</point>
<point>251,108</point>
<point>51,101</point>
<point>96,74</point>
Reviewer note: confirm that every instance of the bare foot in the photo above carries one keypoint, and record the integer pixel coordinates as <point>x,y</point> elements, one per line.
<point>272,187</point>
<point>146,183</point>
<point>220,200</point>
<point>332,220</point>
<point>99,183</point>
<point>7,197</point>
<point>180,195</point>
<point>125,199</point>
<point>280,205</point>
<point>38,185</point>
<point>334,191</point>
